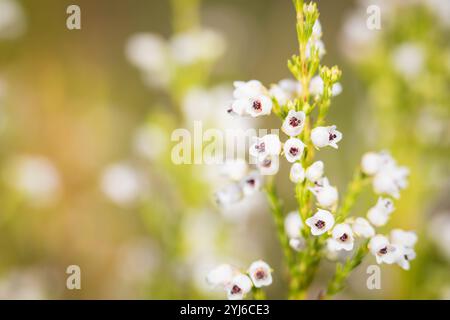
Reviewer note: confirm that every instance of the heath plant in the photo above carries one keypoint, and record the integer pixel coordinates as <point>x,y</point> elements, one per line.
<point>324,222</point>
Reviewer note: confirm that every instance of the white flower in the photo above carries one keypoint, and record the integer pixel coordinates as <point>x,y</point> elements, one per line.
<point>325,136</point>
<point>320,222</point>
<point>293,123</point>
<point>285,90</point>
<point>297,244</point>
<point>293,149</point>
<point>383,250</point>
<point>239,286</point>
<point>342,237</point>
<point>297,173</point>
<point>121,183</point>
<point>403,238</point>
<point>317,45</point>
<point>390,180</point>
<point>260,273</point>
<point>249,89</point>
<point>326,195</point>
<point>234,169</point>
<point>259,106</point>
<point>251,183</point>
<point>316,30</point>
<point>150,141</point>
<point>293,224</point>
<point>196,45</point>
<point>371,163</point>
<point>362,228</point>
<point>315,171</point>
<point>228,195</point>
<point>405,241</point>
<point>269,165</point>
<point>221,275</point>
<point>147,52</point>
<point>408,59</point>
<point>267,145</point>
<point>379,214</point>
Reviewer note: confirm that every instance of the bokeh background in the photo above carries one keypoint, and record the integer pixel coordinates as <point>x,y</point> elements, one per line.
<point>86,119</point>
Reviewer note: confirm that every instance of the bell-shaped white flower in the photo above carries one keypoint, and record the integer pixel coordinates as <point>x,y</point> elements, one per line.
<point>315,171</point>
<point>342,237</point>
<point>260,273</point>
<point>259,106</point>
<point>405,256</point>
<point>325,136</point>
<point>326,195</point>
<point>249,89</point>
<point>297,173</point>
<point>239,107</point>
<point>228,195</point>
<point>362,228</point>
<point>298,244</point>
<point>267,145</point>
<point>238,287</point>
<point>379,214</point>
<point>293,149</point>
<point>390,181</point>
<point>371,163</point>
<point>293,123</point>
<point>383,250</point>
<point>251,183</point>
<point>221,275</point>
<point>269,165</point>
<point>293,224</point>
<point>320,222</point>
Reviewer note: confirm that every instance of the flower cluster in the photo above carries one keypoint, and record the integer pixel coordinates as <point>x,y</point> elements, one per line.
<point>238,284</point>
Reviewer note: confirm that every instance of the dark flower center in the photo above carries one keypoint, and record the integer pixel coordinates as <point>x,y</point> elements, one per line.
<point>267,162</point>
<point>251,182</point>
<point>293,151</point>
<point>257,105</point>
<point>332,136</point>
<point>235,289</point>
<point>294,122</point>
<point>383,250</point>
<point>261,147</point>
<point>344,237</point>
<point>260,274</point>
<point>320,224</point>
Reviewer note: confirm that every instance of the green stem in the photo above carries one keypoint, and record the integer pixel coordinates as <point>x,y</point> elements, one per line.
<point>343,271</point>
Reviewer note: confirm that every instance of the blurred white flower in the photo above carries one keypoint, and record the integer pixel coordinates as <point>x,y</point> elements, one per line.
<point>248,89</point>
<point>147,51</point>
<point>285,90</point>
<point>239,286</point>
<point>362,228</point>
<point>405,242</point>
<point>196,46</point>
<point>293,123</point>
<point>316,87</point>
<point>297,173</point>
<point>379,214</point>
<point>342,237</point>
<point>121,183</point>
<point>408,59</point>
<point>325,136</point>
<point>315,171</point>
<point>293,224</point>
<point>293,149</point>
<point>234,169</point>
<point>150,141</point>
<point>35,177</point>
<point>326,195</point>
<point>12,19</point>
<point>269,165</point>
<point>260,273</point>
<point>320,222</point>
<point>315,45</point>
<point>228,195</point>
<point>23,284</point>
<point>221,276</point>
<point>251,183</point>
<point>383,250</point>
<point>370,163</point>
<point>438,231</point>
<point>267,145</point>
